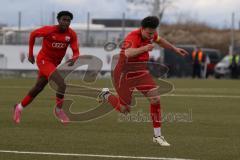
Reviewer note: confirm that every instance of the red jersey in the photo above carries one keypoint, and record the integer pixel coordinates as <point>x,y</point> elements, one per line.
<point>134,40</point>
<point>129,73</point>
<point>54,43</point>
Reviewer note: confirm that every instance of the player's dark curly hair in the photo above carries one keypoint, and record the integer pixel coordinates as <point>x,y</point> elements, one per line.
<point>150,22</point>
<point>64,13</point>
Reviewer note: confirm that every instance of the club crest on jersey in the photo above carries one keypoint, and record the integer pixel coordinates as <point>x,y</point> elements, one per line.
<point>67,38</point>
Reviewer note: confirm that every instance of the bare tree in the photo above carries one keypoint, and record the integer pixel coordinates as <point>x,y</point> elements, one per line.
<point>155,7</point>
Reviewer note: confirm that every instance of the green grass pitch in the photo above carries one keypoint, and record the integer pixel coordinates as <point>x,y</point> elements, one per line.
<point>212,131</point>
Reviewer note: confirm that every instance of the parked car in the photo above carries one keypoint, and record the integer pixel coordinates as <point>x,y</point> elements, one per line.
<point>182,66</point>
<point>222,69</point>
<point>214,56</point>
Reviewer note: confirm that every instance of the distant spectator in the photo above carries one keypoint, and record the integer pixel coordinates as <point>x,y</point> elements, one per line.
<point>197,59</point>
<point>234,65</point>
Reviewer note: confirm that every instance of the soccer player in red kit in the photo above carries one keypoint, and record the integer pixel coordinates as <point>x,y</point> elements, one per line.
<point>56,39</point>
<point>131,73</point>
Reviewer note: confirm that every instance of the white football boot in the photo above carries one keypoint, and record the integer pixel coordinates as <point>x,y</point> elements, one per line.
<point>161,141</point>
<point>101,97</point>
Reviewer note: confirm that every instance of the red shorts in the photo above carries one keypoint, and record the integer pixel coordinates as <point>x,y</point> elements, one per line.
<point>126,83</point>
<point>46,67</point>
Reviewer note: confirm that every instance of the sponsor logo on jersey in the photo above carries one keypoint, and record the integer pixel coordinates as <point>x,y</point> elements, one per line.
<point>59,45</point>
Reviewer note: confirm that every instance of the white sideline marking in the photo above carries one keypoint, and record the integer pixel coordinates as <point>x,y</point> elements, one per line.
<point>88,155</point>
<point>165,95</point>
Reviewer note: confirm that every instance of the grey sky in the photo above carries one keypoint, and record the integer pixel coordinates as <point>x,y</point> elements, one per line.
<point>35,12</point>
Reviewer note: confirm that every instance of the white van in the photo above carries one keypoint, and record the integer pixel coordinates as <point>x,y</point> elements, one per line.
<point>222,69</point>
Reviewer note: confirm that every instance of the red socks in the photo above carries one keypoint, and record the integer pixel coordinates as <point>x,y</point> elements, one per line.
<point>59,102</point>
<point>154,110</point>
<point>156,115</point>
<point>26,100</point>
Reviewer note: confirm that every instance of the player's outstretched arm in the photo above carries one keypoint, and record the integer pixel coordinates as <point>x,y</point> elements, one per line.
<point>165,44</point>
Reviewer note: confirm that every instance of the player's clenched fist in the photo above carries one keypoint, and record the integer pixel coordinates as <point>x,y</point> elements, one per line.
<point>148,47</point>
